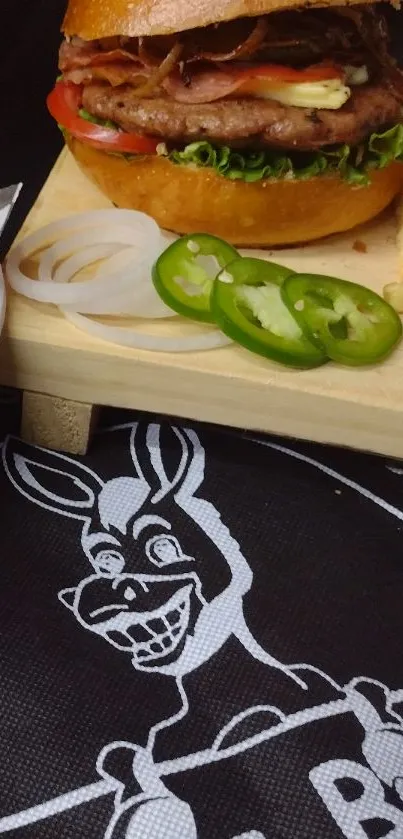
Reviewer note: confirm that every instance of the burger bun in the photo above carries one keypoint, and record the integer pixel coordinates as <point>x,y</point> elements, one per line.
<point>265,213</point>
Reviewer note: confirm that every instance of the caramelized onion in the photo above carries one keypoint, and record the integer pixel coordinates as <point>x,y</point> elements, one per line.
<point>351,36</point>
<point>153,49</point>
<point>164,70</point>
<point>245,48</point>
<point>145,55</point>
<point>373,30</point>
<point>110,56</point>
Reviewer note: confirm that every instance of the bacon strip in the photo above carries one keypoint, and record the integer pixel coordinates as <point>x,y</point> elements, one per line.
<point>204,66</point>
<point>114,74</point>
<point>84,62</point>
<point>79,54</point>
<point>206,86</point>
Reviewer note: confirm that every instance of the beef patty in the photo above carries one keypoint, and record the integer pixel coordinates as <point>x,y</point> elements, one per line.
<point>247,122</point>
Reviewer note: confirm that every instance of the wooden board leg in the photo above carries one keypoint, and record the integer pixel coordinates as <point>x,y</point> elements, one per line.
<point>57,423</point>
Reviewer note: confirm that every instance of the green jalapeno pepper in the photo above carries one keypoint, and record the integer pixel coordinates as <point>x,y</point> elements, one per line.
<point>246,304</point>
<point>183,275</point>
<point>348,322</point>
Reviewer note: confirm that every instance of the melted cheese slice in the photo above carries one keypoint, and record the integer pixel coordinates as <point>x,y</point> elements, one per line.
<point>331,94</point>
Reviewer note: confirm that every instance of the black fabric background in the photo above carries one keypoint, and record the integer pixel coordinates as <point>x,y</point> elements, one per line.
<point>327,591</point>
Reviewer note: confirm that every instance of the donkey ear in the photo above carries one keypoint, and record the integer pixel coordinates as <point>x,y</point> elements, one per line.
<point>193,475</point>
<point>51,480</point>
<point>161,455</point>
<point>67,596</point>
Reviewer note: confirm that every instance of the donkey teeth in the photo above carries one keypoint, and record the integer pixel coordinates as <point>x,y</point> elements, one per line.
<point>173,617</point>
<point>164,644</point>
<point>139,633</point>
<point>156,625</point>
<point>156,636</point>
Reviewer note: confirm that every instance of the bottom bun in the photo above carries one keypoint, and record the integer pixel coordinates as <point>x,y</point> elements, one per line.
<point>261,214</point>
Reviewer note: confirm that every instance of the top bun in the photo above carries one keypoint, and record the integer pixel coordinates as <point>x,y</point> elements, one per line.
<point>93,19</point>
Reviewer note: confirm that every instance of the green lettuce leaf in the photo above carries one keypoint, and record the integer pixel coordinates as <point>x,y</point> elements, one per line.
<point>106,123</point>
<point>354,164</point>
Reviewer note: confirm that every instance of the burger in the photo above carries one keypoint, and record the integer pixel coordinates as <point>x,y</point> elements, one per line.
<point>265,122</point>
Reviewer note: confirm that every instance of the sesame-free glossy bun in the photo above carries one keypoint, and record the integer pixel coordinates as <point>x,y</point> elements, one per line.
<point>261,214</point>
<point>90,19</point>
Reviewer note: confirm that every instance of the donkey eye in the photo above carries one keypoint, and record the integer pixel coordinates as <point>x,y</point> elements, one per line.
<point>109,562</point>
<point>164,550</point>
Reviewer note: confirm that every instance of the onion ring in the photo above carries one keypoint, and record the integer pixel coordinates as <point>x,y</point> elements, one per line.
<point>71,266</point>
<point>139,299</point>
<point>124,227</point>
<point>131,337</point>
<point>128,242</point>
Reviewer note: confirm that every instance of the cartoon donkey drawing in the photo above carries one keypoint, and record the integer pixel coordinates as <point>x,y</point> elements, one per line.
<point>167,591</point>
<point>148,595</point>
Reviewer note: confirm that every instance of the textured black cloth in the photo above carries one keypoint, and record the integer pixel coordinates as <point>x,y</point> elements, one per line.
<point>29,139</point>
<point>200,636</point>
<point>200,632</point>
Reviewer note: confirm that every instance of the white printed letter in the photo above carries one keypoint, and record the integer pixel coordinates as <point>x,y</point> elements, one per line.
<point>360,804</point>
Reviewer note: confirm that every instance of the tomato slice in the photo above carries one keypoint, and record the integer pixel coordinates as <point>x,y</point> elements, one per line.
<point>278,74</point>
<point>246,79</point>
<point>259,80</point>
<point>64,102</point>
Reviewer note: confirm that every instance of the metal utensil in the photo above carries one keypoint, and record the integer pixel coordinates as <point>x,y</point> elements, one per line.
<point>8,197</point>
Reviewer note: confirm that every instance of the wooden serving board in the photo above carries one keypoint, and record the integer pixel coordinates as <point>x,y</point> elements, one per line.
<point>64,372</point>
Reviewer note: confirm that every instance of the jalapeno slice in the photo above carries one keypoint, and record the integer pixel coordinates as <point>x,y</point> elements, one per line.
<point>247,306</point>
<point>350,323</point>
<point>183,275</point>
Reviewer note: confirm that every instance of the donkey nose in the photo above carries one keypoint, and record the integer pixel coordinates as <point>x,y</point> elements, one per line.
<point>130,590</point>
<point>137,594</point>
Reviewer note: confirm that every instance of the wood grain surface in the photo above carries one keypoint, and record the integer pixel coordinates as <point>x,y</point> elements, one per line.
<point>359,408</point>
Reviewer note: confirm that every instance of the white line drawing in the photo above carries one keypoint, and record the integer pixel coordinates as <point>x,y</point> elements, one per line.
<point>253,834</point>
<point>160,616</point>
<point>133,502</point>
<point>327,470</point>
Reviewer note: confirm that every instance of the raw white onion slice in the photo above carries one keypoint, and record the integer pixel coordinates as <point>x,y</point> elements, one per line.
<point>121,227</point>
<point>130,290</point>
<point>125,243</point>
<point>68,268</point>
<point>139,298</point>
<point>131,337</point>
<point>112,219</point>
<point>109,243</point>
<point>87,256</point>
